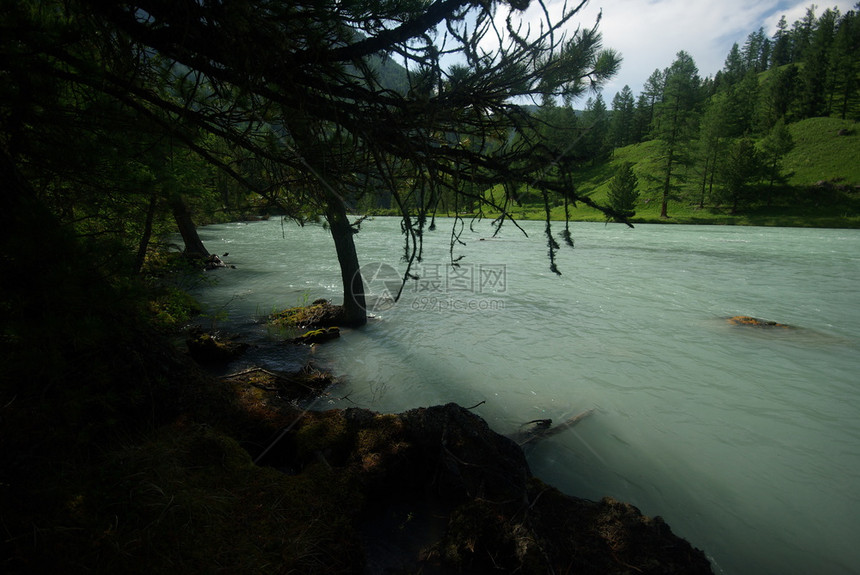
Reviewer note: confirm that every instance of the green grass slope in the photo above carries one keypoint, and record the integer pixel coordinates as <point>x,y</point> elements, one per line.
<point>822,187</point>
<point>826,149</point>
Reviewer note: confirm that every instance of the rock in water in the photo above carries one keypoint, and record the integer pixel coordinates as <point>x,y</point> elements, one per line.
<point>755,322</point>
<point>318,335</point>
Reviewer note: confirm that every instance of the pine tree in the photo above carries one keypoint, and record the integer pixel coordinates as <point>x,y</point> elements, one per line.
<point>293,89</point>
<point>773,149</point>
<point>652,94</point>
<point>734,68</point>
<point>801,35</point>
<point>816,75</point>
<point>742,105</point>
<point>845,64</point>
<point>781,52</point>
<point>713,133</point>
<point>595,143</point>
<point>675,117</point>
<point>756,51</point>
<point>623,192</point>
<point>623,110</point>
<point>779,93</point>
<point>642,118</point>
<point>742,166</point>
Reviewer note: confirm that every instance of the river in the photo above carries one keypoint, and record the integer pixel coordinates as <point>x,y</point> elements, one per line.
<point>745,440</point>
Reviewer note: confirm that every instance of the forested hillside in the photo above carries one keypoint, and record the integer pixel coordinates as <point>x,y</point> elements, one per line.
<point>769,139</point>
<point>819,185</point>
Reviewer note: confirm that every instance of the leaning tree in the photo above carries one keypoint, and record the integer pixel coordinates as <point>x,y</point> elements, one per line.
<point>297,87</point>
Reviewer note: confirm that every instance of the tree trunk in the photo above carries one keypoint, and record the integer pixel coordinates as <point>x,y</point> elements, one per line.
<point>704,180</point>
<point>354,307</point>
<point>147,234</point>
<point>193,245</point>
<point>666,185</point>
<point>313,150</point>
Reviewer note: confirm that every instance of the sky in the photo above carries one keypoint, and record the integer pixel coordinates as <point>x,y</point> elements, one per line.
<point>649,33</point>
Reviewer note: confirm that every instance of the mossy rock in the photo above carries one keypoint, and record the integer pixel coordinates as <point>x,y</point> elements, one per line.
<point>318,336</point>
<point>321,313</point>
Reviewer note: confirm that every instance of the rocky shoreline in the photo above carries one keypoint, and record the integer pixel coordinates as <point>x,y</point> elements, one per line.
<point>435,490</point>
<point>432,489</point>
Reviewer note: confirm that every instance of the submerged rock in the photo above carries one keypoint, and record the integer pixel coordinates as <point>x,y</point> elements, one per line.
<point>317,336</point>
<point>755,322</point>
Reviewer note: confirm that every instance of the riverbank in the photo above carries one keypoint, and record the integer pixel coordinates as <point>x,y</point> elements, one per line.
<point>842,216</point>
<point>434,489</point>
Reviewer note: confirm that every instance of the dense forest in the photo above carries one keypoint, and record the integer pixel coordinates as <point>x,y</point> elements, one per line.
<point>725,140</point>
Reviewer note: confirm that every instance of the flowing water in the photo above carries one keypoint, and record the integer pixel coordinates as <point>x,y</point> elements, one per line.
<point>746,440</point>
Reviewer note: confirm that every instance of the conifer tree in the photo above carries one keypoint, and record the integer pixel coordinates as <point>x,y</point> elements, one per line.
<point>623,190</point>
<point>845,63</point>
<point>712,141</point>
<point>623,110</point>
<point>734,68</point>
<point>595,123</point>
<point>756,51</point>
<point>816,73</point>
<point>652,94</point>
<point>781,53</point>
<point>781,92</point>
<point>742,166</point>
<point>773,149</point>
<point>642,119</point>
<point>675,117</point>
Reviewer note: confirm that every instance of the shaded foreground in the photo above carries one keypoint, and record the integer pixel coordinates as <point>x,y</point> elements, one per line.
<point>229,475</point>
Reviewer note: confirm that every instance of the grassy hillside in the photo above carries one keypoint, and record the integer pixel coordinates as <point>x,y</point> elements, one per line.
<point>825,149</point>
<point>823,187</point>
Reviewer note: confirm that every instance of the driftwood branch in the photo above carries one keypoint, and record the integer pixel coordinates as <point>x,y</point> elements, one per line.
<point>251,370</point>
<point>283,380</point>
<point>544,429</point>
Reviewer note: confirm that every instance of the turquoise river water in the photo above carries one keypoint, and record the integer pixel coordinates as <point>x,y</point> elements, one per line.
<point>746,440</point>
